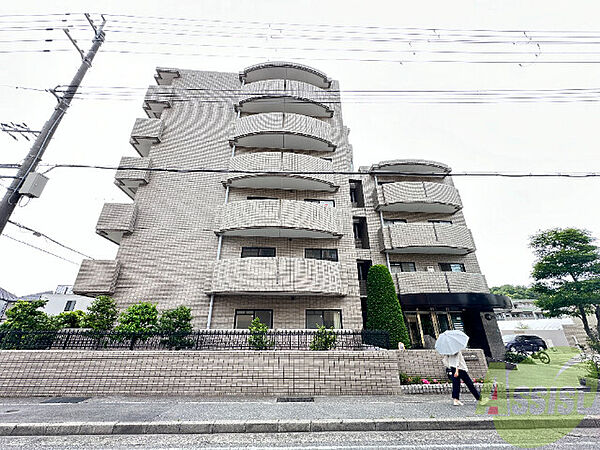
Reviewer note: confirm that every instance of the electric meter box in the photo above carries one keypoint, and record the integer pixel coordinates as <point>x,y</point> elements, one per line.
<point>33,185</point>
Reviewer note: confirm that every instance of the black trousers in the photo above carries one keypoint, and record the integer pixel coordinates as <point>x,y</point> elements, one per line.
<point>462,375</point>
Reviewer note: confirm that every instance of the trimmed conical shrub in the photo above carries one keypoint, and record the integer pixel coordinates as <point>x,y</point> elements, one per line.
<point>383,308</point>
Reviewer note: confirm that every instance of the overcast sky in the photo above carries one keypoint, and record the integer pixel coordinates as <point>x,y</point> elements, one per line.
<point>508,136</point>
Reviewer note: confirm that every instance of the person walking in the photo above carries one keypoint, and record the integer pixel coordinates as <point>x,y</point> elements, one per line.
<point>449,344</point>
<point>456,363</point>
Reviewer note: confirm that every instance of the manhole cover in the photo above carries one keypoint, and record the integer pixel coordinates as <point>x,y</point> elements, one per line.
<point>295,399</point>
<point>65,400</point>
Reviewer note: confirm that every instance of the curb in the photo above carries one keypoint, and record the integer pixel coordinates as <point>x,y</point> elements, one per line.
<point>286,426</point>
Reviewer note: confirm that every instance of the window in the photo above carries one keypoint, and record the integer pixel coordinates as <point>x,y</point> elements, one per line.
<point>244,317</point>
<point>452,267</point>
<point>70,305</point>
<point>323,317</point>
<point>388,222</point>
<point>447,222</point>
<point>361,237</point>
<point>321,202</point>
<point>252,197</point>
<point>402,267</point>
<point>328,254</point>
<point>263,252</point>
<point>356,194</point>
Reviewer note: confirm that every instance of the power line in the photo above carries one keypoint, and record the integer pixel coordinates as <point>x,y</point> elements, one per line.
<point>40,249</point>
<point>39,233</point>
<point>330,172</point>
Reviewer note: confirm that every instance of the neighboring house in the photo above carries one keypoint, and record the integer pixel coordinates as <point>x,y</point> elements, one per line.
<point>522,309</point>
<point>60,300</point>
<point>6,300</point>
<point>292,249</point>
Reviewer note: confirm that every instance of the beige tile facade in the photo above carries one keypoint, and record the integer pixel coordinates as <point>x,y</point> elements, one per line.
<point>190,228</point>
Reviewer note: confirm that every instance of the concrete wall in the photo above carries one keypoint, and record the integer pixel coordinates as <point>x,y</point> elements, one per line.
<point>212,373</point>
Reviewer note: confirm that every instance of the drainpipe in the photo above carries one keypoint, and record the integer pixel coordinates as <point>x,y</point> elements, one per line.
<point>387,256</point>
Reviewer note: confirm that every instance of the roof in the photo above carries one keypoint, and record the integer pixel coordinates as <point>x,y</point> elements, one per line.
<point>35,296</point>
<point>7,296</point>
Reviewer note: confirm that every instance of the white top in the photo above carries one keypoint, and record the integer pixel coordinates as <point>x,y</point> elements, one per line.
<point>456,361</point>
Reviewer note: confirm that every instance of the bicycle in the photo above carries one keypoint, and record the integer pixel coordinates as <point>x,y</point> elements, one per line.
<point>539,354</point>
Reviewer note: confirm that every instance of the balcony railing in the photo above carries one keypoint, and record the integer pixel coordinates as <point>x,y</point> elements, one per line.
<point>97,277</point>
<point>427,238</point>
<point>280,162</point>
<point>116,220</point>
<point>283,131</point>
<point>157,99</point>
<point>285,96</point>
<point>280,218</point>
<point>280,70</point>
<point>440,282</point>
<point>129,180</point>
<point>278,276</point>
<point>414,167</point>
<point>145,133</point>
<point>418,196</point>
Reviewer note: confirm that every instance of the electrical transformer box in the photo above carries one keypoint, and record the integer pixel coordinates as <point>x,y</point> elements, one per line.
<point>33,185</point>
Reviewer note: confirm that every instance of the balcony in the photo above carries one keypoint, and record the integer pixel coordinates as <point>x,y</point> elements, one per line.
<point>440,282</point>
<point>280,218</point>
<point>280,162</point>
<point>145,133</point>
<point>97,277</point>
<point>280,70</point>
<point>284,96</point>
<point>116,220</point>
<point>165,76</point>
<point>157,99</point>
<point>129,180</point>
<point>427,238</point>
<point>283,131</point>
<point>277,276</point>
<point>418,196</point>
<point>414,167</point>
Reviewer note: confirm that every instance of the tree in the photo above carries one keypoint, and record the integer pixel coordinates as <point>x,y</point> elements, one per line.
<point>138,322</point>
<point>176,325</point>
<point>516,292</point>
<point>258,339</point>
<point>383,308</point>
<point>70,319</point>
<point>101,314</point>
<point>27,316</point>
<point>567,274</point>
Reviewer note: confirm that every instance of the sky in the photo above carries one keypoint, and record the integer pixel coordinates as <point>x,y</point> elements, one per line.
<point>227,36</point>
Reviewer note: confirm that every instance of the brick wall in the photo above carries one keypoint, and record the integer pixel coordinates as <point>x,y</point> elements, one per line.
<point>265,373</point>
<point>428,363</point>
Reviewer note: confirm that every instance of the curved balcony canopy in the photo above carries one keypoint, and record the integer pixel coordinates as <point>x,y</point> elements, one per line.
<point>284,96</point>
<point>466,300</point>
<point>280,218</point>
<point>157,99</point>
<point>427,238</point>
<point>146,133</point>
<point>280,70</point>
<point>280,162</point>
<point>283,131</point>
<point>277,276</point>
<point>97,277</point>
<point>411,167</point>
<point>130,180</point>
<point>418,196</point>
<point>116,220</point>
<point>440,282</point>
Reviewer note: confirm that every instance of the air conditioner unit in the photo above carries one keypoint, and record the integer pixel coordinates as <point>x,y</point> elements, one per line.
<point>33,185</point>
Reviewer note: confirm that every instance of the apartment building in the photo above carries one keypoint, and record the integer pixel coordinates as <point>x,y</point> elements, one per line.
<point>273,225</point>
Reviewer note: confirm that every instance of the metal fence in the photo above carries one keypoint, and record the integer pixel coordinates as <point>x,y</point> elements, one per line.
<point>198,340</point>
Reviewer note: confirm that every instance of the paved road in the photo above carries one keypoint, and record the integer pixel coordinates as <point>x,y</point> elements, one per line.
<point>577,439</point>
<point>136,409</point>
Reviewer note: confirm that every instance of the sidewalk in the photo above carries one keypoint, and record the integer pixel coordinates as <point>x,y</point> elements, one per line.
<point>136,415</point>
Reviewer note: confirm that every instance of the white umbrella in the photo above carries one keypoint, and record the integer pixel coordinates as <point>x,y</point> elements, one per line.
<point>451,342</point>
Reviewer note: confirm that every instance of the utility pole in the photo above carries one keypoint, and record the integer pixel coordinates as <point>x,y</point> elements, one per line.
<point>12,196</point>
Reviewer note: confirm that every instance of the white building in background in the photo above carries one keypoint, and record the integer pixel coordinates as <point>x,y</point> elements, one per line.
<point>61,300</point>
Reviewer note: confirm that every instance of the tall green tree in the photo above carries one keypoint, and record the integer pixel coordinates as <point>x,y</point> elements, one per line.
<point>176,326</point>
<point>101,314</point>
<point>567,274</point>
<point>28,316</point>
<point>138,322</point>
<point>383,308</point>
